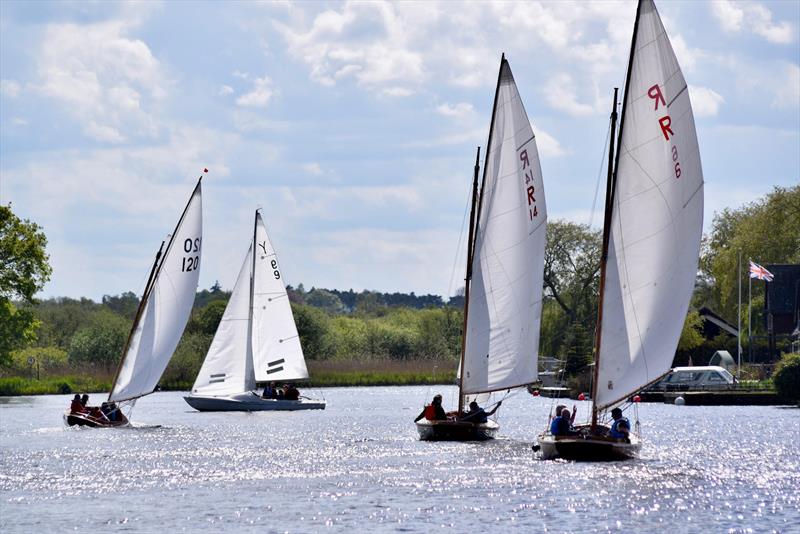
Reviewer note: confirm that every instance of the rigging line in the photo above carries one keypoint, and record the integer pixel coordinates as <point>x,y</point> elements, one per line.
<point>460,240</point>
<point>599,175</point>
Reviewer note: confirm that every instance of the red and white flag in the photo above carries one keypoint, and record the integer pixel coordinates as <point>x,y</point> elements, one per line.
<point>757,271</point>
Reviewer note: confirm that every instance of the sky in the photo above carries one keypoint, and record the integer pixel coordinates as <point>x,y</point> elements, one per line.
<point>353,125</point>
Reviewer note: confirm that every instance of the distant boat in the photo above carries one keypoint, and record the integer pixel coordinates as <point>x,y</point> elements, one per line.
<point>160,318</point>
<point>651,238</point>
<point>256,340</point>
<point>505,265</point>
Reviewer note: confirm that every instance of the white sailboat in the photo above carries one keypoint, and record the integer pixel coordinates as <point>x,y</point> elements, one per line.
<point>160,318</point>
<point>505,262</point>
<point>651,238</point>
<point>256,340</point>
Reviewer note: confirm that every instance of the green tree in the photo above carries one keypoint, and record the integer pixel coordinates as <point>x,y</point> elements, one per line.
<point>125,304</point>
<point>787,377</point>
<point>100,343</point>
<point>313,327</point>
<point>187,360</point>
<point>24,270</point>
<point>206,320</point>
<point>46,358</point>
<point>324,299</point>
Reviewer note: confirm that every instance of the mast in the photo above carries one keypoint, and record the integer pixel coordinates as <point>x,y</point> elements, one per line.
<point>252,292</point>
<point>151,282</point>
<point>468,278</point>
<point>609,206</point>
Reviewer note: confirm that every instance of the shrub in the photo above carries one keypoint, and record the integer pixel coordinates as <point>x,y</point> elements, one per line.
<point>787,377</point>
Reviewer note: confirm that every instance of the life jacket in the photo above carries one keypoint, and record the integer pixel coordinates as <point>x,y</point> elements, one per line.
<point>430,412</point>
<point>615,433</point>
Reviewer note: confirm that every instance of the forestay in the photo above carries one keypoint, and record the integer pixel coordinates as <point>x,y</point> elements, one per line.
<point>505,300</point>
<point>168,304</point>
<point>277,354</point>
<point>228,367</point>
<point>656,222</point>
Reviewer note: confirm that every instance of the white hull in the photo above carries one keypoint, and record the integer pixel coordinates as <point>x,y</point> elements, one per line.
<point>587,448</point>
<point>251,402</point>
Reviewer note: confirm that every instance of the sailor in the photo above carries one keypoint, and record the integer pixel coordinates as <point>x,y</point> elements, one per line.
<point>76,406</point>
<point>269,391</point>
<point>478,415</point>
<point>562,424</point>
<point>621,428</point>
<point>290,392</point>
<point>433,411</point>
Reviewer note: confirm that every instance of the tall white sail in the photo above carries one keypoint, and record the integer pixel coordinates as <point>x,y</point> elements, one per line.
<point>656,223</point>
<point>166,310</point>
<point>277,354</point>
<point>228,367</point>
<point>505,300</point>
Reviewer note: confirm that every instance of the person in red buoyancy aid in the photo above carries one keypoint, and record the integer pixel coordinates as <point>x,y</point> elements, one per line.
<point>76,406</point>
<point>433,411</point>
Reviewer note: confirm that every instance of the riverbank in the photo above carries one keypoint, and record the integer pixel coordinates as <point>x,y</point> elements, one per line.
<point>323,374</point>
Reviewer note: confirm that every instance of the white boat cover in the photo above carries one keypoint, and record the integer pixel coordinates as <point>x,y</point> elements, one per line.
<point>228,367</point>
<point>167,309</point>
<point>505,300</point>
<point>277,354</point>
<point>656,222</point>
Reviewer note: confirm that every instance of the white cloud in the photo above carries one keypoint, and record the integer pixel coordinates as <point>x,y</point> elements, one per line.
<point>705,102</point>
<point>260,96</point>
<point>560,92</point>
<point>753,17</point>
<point>458,110</point>
<point>787,92</point>
<point>19,121</point>
<point>108,82</point>
<point>548,146</point>
<point>397,91</point>
<point>10,88</point>
<point>313,168</point>
<point>225,90</point>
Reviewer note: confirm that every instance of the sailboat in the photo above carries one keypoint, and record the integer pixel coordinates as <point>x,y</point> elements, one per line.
<point>651,238</point>
<point>256,340</point>
<point>505,263</point>
<point>160,318</point>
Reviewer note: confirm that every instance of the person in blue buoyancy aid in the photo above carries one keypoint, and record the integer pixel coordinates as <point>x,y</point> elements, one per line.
<point>620,428</point>
<point>433,411</point>
<point>561,425</point>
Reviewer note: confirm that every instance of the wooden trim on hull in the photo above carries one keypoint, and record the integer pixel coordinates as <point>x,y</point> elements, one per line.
<point>74,419</point>
<point>456,431</point>
<point>226,404</point>
<point>587,449</point>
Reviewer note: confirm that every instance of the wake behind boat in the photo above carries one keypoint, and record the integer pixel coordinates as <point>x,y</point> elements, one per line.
<point>504,278</point>
<point>158,325</point>
<point>651,241</point>
<point>256,341</point>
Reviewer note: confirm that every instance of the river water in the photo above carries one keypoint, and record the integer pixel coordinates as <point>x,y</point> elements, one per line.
<point>358,465</point>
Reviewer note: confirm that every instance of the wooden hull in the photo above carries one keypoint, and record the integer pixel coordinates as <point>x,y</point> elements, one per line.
<point>587,448</point>
<point>456,430</point>
<point>249,402</point>
<point>79,419</point>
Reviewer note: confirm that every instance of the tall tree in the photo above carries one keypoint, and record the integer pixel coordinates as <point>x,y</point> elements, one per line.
<point>24,270</point>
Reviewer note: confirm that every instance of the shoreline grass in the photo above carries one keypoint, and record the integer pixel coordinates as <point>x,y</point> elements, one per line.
<point>322,374</point>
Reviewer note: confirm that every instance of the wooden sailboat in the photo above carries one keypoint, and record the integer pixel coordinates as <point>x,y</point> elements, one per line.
<point>505,262</point>
<point>160,318</point>
<point>256,340</point>
<point>651,238</point>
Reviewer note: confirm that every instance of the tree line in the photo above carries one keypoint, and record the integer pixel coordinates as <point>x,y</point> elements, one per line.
<point>336,325</point>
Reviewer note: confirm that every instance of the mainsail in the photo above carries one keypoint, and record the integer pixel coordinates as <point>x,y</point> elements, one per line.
<point>225,370</point>
<point>256,339</point>
<point>277,354</point>
<point>505,296</point>
<point>656,219</point>
<point>164,309</point>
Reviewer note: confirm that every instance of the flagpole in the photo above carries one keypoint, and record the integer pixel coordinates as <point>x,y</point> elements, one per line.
<point>739,320</point>
<point>749,321</point>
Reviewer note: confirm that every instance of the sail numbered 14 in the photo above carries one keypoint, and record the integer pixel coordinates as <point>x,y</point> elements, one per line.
<point>505,299</point>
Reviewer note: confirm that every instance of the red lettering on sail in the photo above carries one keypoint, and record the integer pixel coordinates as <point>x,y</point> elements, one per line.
<point>531,200</point>
<point>655,93</point>
<point>523,157</point>
<point>665,123</point>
